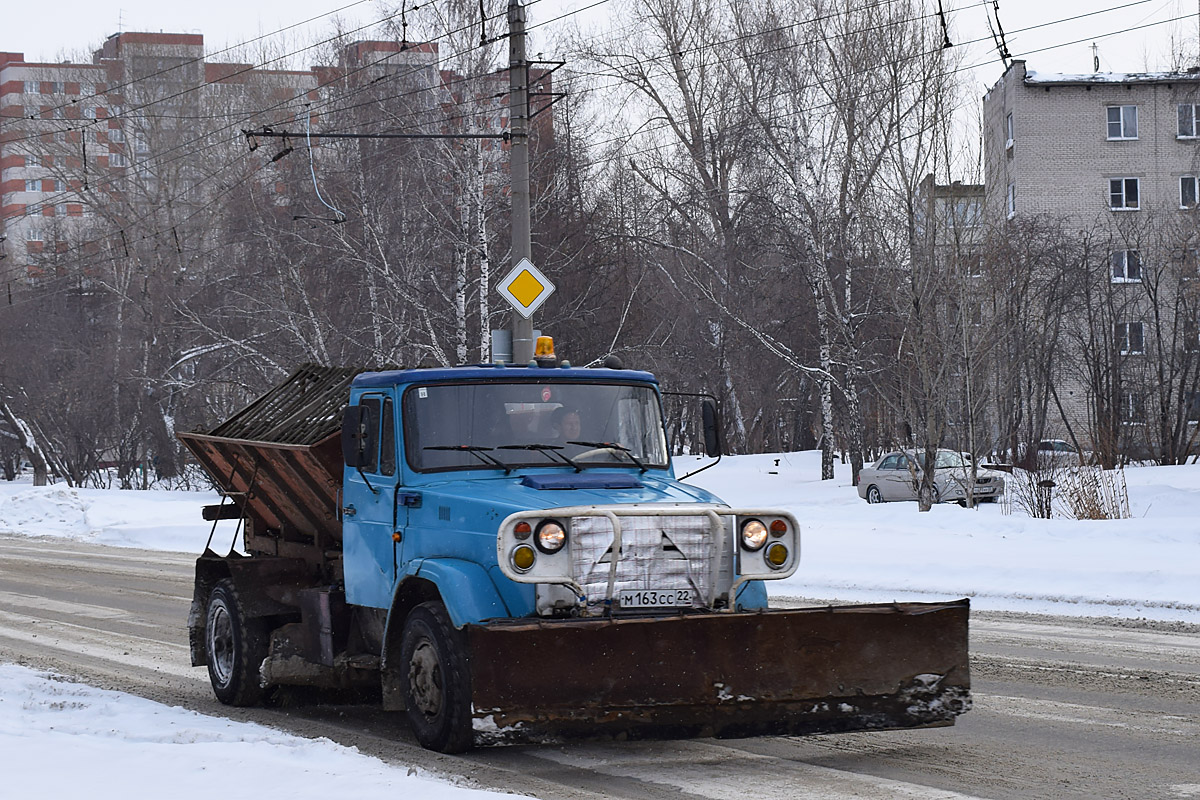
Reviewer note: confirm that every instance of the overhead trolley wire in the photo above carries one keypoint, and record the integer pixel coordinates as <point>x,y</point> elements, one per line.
<point>624,139</point>
<point>160,162</point>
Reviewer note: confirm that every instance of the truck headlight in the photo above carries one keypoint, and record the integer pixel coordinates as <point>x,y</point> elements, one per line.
<point>777,555</point>
<point>551,536</point>
<point>522,558</point>
<point>754,534</point>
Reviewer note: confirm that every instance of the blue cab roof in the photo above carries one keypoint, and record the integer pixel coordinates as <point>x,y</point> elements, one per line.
<point>501,372</point>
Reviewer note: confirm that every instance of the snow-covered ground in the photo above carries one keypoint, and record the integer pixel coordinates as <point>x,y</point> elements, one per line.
<point>1144,567</point>
<point>65,740</point>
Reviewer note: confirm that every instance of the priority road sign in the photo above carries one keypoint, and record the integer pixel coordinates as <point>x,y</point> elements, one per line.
<point>525,288</point>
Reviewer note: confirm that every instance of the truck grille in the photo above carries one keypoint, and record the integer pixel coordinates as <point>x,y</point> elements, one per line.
<point>657,554</point>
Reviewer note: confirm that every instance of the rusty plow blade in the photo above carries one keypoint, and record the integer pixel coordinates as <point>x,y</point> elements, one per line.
<point>816,670</point>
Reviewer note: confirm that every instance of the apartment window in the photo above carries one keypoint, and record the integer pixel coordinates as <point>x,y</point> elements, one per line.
<point>973,313</point>
<point>31,87</point>
<point>32,112</point>
<point>1189,121</point>
<point>1187,191</point>
<point>1191,336</point>
<point>1191,404</point>
<point>1133,408</point>
<point>117,160</point>
<point>89,112</point>
<point>139,144</point>
<point>60,209</point>
<point>116,135</point>
<point>1126,266</point>
<point>31,160</point>
<point>33,185</point>
<point>1008,126</point>
<point>56,87</point>
<point>964,214</point>
<point>1011,200</point>
<point>1189,258</point>
<point>33,233</point>
<point>1123,194</point>
<point>1122,122</point>
<point>1129,338</point>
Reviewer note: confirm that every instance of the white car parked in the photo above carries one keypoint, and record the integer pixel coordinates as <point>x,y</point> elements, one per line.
<point>897,475</point>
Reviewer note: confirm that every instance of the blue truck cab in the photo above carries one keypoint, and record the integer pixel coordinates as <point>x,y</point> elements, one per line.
<point>448,455</point>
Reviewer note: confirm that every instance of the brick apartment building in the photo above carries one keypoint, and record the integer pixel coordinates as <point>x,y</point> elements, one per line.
<point>1114,157</point>
<point>65,127</point>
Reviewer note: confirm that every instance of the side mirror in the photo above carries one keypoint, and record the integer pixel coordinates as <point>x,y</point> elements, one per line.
<point>712,428</point>
<point>354,435</point>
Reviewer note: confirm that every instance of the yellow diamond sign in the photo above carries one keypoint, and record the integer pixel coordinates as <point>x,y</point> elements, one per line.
<point>525,288</point>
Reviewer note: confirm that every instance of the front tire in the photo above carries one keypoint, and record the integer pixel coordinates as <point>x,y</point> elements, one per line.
<point>873,495</point>
<point>236,648</point>
<point>435,680</point>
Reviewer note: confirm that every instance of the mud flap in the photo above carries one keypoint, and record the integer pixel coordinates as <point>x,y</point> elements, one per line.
<point>816,670</point>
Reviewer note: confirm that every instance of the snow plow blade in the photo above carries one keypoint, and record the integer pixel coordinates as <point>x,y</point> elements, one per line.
<point>729,675</point>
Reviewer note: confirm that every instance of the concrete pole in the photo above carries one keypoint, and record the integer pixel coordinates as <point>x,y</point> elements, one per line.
<point>518,126</point>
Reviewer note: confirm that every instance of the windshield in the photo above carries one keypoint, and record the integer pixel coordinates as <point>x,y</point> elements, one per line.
<point>444,423</point>
<point>948,458</point>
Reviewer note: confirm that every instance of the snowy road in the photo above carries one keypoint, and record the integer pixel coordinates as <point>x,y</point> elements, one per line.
<point>1065,708</point>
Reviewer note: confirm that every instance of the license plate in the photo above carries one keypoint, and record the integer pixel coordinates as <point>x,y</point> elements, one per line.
<point>656,598</point>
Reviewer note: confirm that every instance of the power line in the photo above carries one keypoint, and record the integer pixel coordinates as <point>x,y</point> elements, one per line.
<point>208,56</point>
<point>807,110</point>
<point>64,196</point>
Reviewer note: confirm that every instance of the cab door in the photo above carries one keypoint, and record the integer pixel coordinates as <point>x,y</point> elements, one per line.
<point>369,512</point>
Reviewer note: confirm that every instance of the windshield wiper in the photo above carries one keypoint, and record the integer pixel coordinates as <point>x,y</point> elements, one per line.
<point>620,448</point>
<point>548,449</point>
<point>482,453</point>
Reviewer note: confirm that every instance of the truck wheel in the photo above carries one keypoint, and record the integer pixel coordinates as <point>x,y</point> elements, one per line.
<point>435,680</point>
<point>236,648</point>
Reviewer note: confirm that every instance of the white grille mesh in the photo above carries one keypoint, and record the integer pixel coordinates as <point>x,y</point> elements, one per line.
<point>657,553</point>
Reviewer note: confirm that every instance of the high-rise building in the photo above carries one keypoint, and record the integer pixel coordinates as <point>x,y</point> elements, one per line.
<point>151,106</point>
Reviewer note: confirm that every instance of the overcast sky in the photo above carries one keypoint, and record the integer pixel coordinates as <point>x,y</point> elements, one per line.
<point>48,30</point>
<point>1135,35</point>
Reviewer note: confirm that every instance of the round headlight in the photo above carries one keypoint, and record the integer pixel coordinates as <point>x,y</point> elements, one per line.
<point>754,534</point>
<point>522,557</point>
<point>777,555</point>
<point>551,536</point>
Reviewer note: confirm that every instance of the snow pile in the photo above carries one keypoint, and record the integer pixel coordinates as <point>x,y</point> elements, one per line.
<point>62,739</point>
<point>45,511</point>
<point>152,520</point>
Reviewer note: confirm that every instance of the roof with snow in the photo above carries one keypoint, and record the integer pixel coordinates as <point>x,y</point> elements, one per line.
<point>1088,78</point>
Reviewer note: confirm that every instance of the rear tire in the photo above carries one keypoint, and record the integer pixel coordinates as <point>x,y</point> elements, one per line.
<point>236,648</point>
<point>874,495</point>
<point>435,680</point>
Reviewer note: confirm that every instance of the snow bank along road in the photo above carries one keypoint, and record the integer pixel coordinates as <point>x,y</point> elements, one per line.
<point>1064,708</point>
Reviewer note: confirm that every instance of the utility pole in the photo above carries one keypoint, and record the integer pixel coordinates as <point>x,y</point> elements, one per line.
<point>518,125</point>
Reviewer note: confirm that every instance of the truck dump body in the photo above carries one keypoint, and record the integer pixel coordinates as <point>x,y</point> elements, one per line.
<point>816,670</point>
<point>280,460</point>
